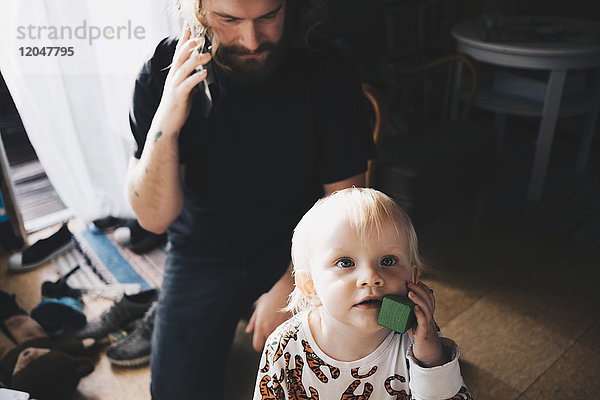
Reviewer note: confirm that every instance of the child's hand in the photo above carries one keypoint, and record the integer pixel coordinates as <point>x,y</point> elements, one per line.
<point>427,347</point>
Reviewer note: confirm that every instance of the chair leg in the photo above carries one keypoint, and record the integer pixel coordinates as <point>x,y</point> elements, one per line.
<point>586,142</point>
<point>588,134</point>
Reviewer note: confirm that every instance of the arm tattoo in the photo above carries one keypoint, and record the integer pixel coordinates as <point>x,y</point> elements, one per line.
<point>158,135</point>
<point>134,190</point>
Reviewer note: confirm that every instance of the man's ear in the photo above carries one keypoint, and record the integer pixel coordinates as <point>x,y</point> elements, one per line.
<point>304,283</point>
<point>415,273</point>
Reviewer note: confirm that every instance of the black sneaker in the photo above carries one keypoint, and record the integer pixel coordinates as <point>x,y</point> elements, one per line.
<point>133,350</point>
<point>107,222</point>
<point>121,316</point>
<point>42,251</point>
<point>138,239</point>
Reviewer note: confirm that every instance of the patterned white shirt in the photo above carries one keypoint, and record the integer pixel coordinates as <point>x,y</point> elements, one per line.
<point>294,367</point>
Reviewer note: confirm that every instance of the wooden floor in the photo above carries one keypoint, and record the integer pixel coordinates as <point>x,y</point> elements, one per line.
<point>521,303</point>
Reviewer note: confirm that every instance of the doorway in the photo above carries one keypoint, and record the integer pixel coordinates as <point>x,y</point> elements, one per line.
<point>34,197</point>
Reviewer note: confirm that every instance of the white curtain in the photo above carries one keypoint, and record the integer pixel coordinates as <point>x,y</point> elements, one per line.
<point>74,100</point>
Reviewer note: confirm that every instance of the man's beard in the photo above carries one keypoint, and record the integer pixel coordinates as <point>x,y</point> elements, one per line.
<point>250,71</point>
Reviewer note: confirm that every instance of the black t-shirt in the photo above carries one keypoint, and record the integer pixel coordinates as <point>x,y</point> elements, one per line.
<point>261,157</point>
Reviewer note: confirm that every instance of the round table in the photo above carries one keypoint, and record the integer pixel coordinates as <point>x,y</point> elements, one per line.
<point>537,43</point>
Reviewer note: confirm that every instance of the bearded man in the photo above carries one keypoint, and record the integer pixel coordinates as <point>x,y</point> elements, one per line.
<point>234,143</point>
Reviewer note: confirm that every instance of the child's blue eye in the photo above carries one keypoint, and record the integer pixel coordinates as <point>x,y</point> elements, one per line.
<point>345,263</point>
<point>388,261</point>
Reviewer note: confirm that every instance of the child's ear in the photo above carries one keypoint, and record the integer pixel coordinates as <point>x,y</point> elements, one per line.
<point>304,282</point>
<point>306,285</point>
<point>415,273</point>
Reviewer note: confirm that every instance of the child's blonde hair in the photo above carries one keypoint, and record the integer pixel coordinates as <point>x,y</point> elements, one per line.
<point>368,211</point>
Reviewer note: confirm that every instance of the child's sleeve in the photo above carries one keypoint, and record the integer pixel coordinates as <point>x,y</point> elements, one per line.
<point>441,382</point>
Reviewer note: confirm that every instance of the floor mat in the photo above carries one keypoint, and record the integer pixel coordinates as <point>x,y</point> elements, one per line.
<point>108,267</point>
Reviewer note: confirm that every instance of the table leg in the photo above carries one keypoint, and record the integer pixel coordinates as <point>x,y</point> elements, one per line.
<point>456,85</point>
<point>500,126</point>
<point>546,134</point>
<point>588,134</point>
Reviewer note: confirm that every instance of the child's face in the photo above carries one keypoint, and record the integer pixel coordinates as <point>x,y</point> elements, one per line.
<point>351,276</point>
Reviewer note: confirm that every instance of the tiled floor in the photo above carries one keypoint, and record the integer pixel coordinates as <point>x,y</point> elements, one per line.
<point>522,304</point>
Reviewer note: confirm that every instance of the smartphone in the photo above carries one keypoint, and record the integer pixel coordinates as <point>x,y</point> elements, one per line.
<point>205,85</point>
<point>206,47</point>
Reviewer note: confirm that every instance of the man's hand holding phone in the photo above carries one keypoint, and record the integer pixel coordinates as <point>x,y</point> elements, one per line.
<point>175,104</point>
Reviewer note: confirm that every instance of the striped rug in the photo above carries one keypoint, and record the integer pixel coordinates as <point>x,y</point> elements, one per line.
<point>109,267</point>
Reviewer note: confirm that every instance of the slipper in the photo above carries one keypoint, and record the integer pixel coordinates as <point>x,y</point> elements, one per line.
<point>42,251</point>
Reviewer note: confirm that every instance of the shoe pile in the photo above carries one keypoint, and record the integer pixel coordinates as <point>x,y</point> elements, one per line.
<point>34,365</point>
<point>61,306</point>
<point>42,251</point>
<point>131,321</point>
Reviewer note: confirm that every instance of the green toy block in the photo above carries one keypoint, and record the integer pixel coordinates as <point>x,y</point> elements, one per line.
<point>396,313</point>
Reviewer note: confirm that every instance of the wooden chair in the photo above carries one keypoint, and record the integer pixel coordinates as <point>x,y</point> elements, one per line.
<point>380,123</point>
<point>440,158</point>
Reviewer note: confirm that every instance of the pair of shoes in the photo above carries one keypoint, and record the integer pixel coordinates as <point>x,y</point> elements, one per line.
<point>133,350</point>
<point>42,251</point>
<point>121,316</point>
<point>137,238</point>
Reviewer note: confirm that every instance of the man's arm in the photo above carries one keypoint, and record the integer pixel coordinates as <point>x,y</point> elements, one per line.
<point>154,187</point>
<point>267,312</point>
<point>155,181</point>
